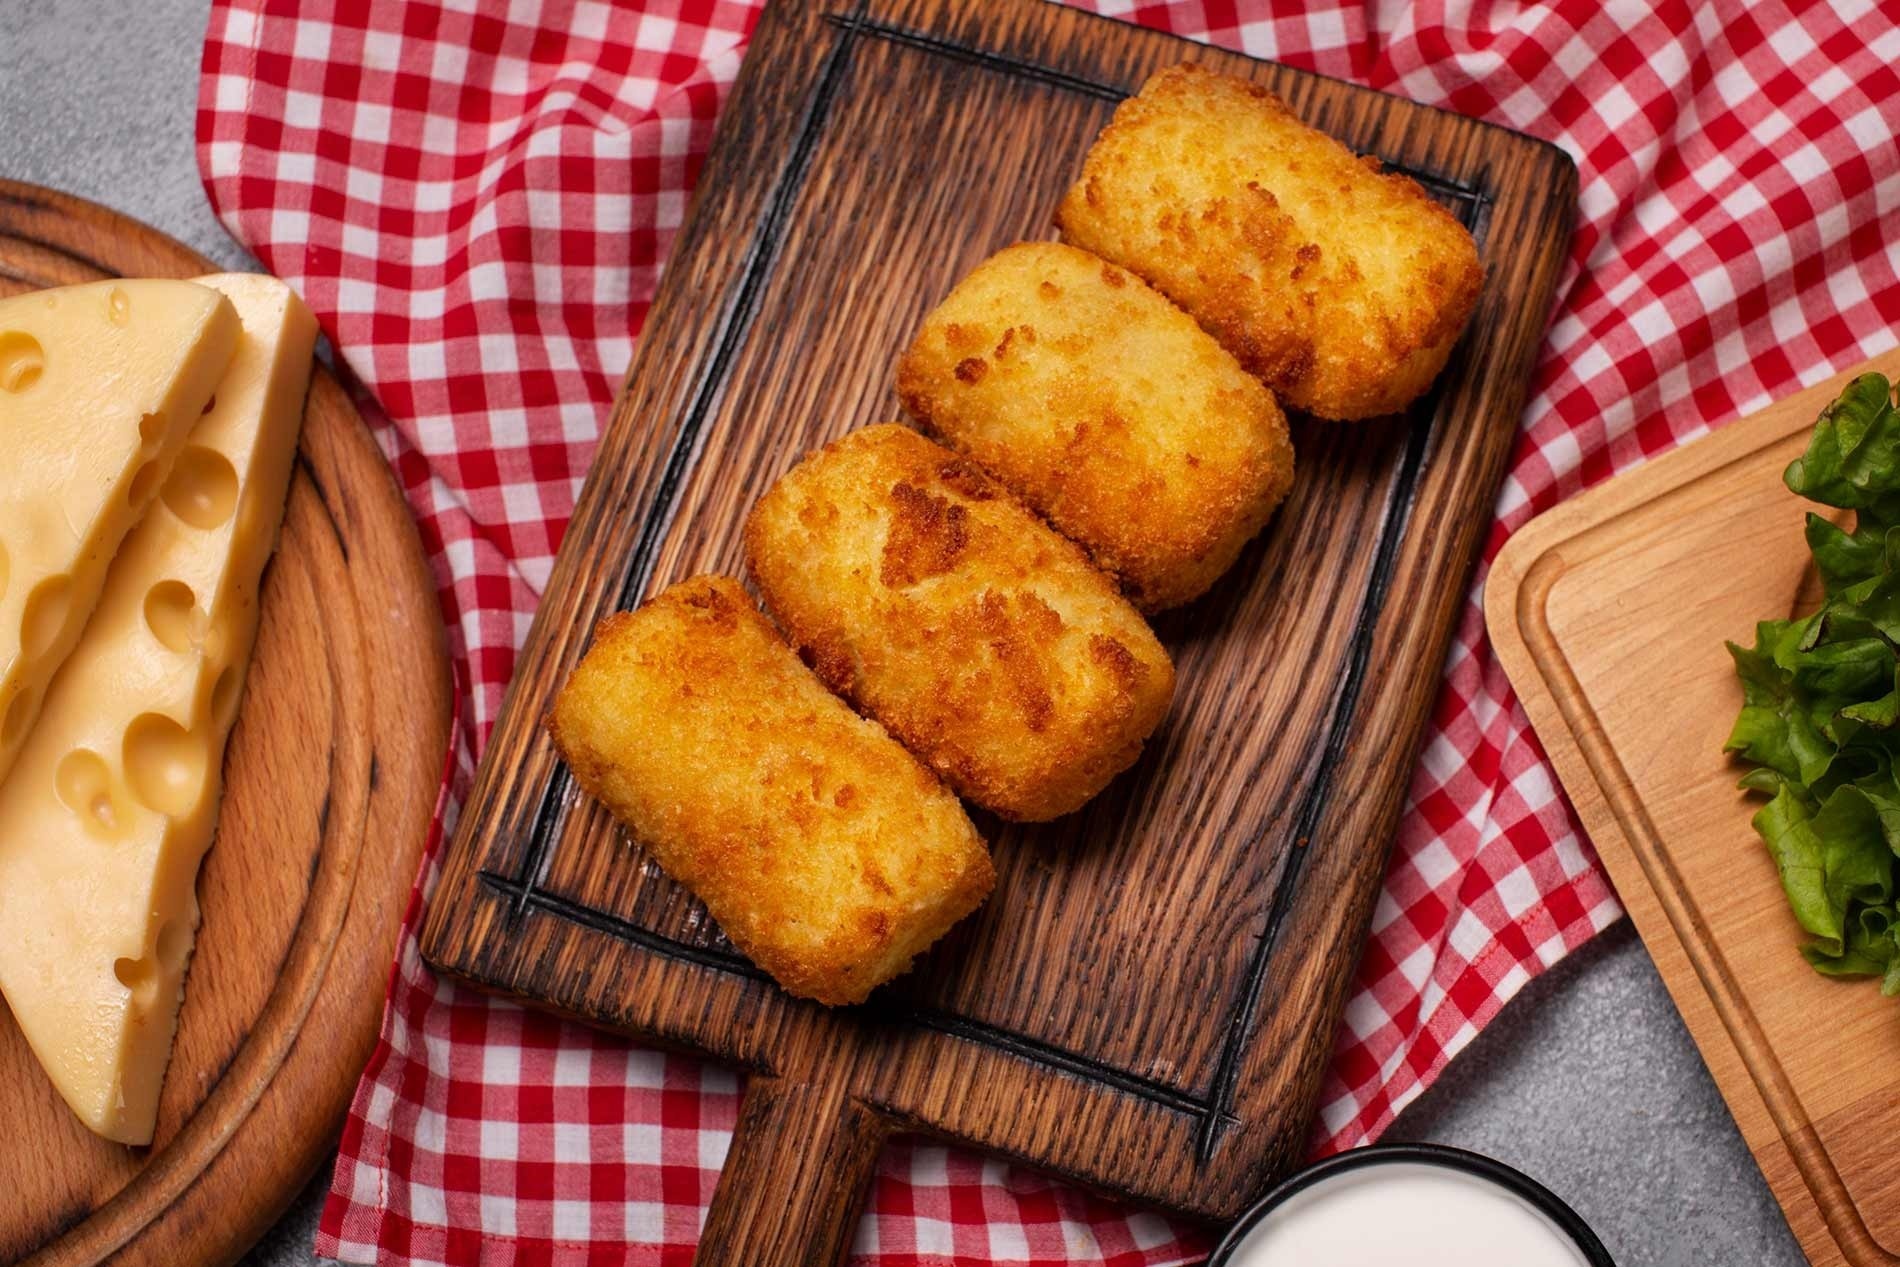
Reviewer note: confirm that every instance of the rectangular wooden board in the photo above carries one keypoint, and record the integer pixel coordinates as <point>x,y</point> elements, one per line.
<point>1609,614</point>
<point>1148,1001</point>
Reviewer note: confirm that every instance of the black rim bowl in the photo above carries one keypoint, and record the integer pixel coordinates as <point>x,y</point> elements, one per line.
<point>1540,1197</point>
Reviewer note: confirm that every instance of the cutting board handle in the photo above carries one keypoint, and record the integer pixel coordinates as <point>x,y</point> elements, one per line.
<point>795,1179</point>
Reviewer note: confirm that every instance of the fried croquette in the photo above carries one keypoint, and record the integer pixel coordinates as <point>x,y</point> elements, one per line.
<point>1108,410</point>
<point>1341,286</point>
<point>828,855</point>
<point>922,590</point>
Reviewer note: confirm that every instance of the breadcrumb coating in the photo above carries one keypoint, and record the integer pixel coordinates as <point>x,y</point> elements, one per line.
<point>828,855</point>
<point>921,590</point>
<point>1108,410</point>
<point>1341,286</point>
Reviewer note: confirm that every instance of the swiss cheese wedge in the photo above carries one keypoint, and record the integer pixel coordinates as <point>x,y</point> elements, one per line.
<point>99,385</point>
<point>113,799</point>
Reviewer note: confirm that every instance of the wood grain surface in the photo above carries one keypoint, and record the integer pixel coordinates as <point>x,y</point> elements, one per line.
<point>1609,614</point>
<point>329,791</point>
<point>1149,1000</point>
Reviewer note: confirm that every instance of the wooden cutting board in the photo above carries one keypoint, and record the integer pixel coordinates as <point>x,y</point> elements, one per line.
<point>1149,1000</point>
<point>330,783</point>
<point>1609,614</point>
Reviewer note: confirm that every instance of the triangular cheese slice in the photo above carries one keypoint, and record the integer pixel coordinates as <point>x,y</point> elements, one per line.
<point>99,385</point>
<point>113,800</point>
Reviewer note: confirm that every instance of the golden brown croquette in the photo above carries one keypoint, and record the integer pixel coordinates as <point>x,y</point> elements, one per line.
<point>828,855</point>
<point>1341,286</point>
<point>1108,410</point>
<point>920,589</point>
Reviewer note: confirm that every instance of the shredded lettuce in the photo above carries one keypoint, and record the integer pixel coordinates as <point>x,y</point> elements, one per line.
<point>1820,720</point>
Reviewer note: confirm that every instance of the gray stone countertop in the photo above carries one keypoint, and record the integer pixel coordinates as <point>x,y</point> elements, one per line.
<point>1588,1080</point>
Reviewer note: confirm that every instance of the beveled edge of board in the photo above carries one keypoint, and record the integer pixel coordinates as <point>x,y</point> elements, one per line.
<point>235,1141</point>
<point>641,1000</point>
<point>1719,1017</point>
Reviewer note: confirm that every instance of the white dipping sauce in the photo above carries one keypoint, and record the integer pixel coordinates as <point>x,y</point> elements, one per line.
<point>1406,1212</point>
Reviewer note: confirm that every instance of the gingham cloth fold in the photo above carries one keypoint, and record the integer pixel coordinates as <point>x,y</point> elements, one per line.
<point>477,199</point>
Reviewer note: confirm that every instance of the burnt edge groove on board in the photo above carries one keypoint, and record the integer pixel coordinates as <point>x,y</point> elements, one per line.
<point>1020,68</point>
<point>735,325</point>
<point>885,1010</point>
<point>522,890</point>
<point>1218,1111</point>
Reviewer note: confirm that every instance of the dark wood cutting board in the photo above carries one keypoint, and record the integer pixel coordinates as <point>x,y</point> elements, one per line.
<point>330,783</point>
<point>1149,1000</point>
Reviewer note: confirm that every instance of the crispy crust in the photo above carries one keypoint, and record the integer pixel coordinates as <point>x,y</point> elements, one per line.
<point>1342,287</point>
<point>828,855</point>
<point>920,589</point>
<point>1108,410</point>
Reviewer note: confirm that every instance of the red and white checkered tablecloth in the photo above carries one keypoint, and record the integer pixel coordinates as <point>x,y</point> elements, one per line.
<point>477,199</point>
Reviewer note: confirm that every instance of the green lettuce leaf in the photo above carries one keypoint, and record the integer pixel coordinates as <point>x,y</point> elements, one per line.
<point>1853,457</point>
<point>1820,722</point>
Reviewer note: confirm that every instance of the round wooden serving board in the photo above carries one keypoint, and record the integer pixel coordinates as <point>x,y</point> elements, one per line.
<point>330,784</point>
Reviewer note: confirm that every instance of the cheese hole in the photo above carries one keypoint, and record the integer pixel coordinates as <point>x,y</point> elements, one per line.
<point>45,620</point>
<point>172,615</point>
<point>140,976</point>
<point>151,427</point>
<point>21,360</point>
<point>139,491</point>
<point>224,696</point>
<point>118,306</point>
<point>203,488</point>
<point>19,713</point>
<point>174,944</point>
<point>84,784</point>
<point>164,764</point>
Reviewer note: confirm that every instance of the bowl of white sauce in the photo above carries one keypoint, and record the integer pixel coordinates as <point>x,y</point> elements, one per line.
<point>1420,1205</point>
